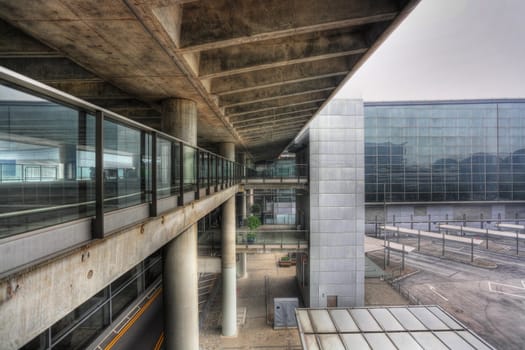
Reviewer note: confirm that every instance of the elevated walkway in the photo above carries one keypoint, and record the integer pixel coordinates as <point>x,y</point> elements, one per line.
<point>268,238</point>
<point>277,183</point>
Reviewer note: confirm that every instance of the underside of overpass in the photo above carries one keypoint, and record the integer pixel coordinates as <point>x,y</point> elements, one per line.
<point>258,70</point>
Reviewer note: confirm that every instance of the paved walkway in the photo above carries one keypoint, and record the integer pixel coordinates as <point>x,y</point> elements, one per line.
<point>255,333</point>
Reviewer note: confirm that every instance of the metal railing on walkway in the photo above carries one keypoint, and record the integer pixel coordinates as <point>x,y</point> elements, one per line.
<point>96,161</point>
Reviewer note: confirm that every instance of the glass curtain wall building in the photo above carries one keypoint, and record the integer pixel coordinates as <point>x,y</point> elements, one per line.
<point>445,151</point>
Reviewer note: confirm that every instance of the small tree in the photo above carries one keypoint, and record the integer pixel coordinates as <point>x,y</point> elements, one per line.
<point>253,224</point>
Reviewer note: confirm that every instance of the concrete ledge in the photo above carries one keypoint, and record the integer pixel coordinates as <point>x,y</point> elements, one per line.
<point>34,299</point>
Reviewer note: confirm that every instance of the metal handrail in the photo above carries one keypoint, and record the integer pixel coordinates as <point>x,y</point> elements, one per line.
<point>33,86</point>
<point>227,172</point>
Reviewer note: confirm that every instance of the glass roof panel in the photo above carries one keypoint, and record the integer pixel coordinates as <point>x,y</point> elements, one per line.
<point>343,321</point>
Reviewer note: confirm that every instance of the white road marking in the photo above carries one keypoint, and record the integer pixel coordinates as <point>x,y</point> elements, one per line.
<point>502,285</point>
<point>433,289</point>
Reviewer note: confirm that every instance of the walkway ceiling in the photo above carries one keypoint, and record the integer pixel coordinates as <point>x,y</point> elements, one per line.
<point>258,70</point>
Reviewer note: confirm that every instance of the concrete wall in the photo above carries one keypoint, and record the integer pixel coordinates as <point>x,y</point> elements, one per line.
<point>470,214</point>
<point>336,152</point>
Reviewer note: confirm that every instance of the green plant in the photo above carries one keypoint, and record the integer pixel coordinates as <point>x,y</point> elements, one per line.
<point>255,209</point>
<point>253,223</point>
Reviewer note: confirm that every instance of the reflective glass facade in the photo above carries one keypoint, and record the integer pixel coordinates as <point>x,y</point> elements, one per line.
<point>445,151</point>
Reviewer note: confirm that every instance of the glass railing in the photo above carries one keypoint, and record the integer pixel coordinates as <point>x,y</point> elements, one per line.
<point>294,171</point>
<point>285,239</point>
<point>63,159</point>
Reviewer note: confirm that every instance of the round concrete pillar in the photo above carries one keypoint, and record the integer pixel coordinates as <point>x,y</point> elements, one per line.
<point>243,265</point>
<point>227,150</point>
<point>179,119</point>
<point>180,273</point>
<point>229,271</point>
<point>180,287</point>
<point>251,201</point>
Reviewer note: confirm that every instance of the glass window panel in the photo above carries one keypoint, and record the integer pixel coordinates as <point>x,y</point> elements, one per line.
<point>122,166</point>
<point>164,168</point>
<point>86,331</point>
<point>48,157</point>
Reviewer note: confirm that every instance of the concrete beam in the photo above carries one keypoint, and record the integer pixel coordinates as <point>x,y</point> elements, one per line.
<point>15,43</point>
<point>271,98</point>
<point>339,66</point>
<point>269,117</point>
<point>272,121</point>
<point>280,102</point>
<point>36,298</point>
<point>275,125</point>
<point>268,93</point>
<point>123,104</point>
<point>207,27</point>
<point>90,89</point>
<point>281,52</point>
<point>309,107</point>
<point>48,69</point>
<point>281,131</point>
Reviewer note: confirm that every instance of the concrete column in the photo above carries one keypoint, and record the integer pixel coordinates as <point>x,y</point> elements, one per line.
<point>229,273</point>
<point>243,209</point>
<point>244,215</point>
<point>179,119</point>
<point>243,265</point>
<point>251,201</point>
<point>181,298</point>
<point>180,272</point>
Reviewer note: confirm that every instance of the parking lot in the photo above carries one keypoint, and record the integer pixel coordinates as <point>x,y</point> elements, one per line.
<point>488,296</point>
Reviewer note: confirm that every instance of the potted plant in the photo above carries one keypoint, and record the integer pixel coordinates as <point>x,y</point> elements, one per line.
<point>285,261</point>
<point>253,225</point>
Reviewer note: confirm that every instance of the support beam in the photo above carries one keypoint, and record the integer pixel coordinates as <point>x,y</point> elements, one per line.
<point>271,118</point>
<point>280,102</point>
<point>269,93</point>
<point>15,43</point>
<point>269,135</point>
<point>339,66</point>
<point>90,90</point>
<point>275,126</point>
<point>271,98</point>
<point>308,107</point>
<point>180,286</point>
<point>271,19</point>
<point>121,104</point>
<point>48,69</point>
<point>272,121</point>
<point>281,52</point>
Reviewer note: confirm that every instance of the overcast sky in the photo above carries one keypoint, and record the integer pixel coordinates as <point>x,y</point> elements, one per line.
<point>448,49</point>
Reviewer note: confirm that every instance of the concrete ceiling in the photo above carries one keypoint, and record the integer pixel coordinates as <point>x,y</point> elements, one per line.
<point>258,70</point>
